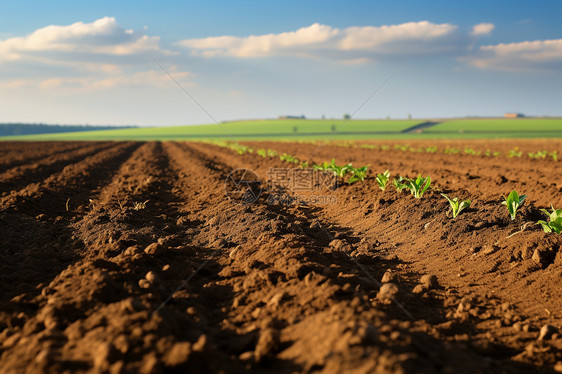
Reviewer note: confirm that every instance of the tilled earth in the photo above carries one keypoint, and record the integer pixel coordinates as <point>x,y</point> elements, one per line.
<point>129,257</point>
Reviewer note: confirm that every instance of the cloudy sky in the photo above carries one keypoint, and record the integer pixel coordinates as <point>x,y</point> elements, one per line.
<point>103,62</point>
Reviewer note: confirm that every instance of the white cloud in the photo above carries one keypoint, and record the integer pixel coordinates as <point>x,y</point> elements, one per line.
<point>349,44</point>
<point>482,29</point>
<point>95,55</point>
<point>103,36</point>
<point>529,55</point>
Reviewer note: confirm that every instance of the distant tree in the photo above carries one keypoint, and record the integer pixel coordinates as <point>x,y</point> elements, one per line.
<point>333,128</point>
<point>295,129</point>
<point>346,116</point>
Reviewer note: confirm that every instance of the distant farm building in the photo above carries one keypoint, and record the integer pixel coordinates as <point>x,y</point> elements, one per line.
<point>513,115</point>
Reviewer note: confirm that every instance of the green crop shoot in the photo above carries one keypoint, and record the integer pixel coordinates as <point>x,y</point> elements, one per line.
<point>382,179</point>
<point>472,152</point>
<point>403,148</point>
<point>554,221</point>
<point>456,205</point>
<point>289,158</point>
<point>400,184</point>
<point>358,175</point>
<point>368,146</point>
<point>554,155</point>
<point>513,202</point>
<point>515,152</point>
<point>431,149</point>
<point>538,155</point>
<point>418,186</point>
<point>339,171</point>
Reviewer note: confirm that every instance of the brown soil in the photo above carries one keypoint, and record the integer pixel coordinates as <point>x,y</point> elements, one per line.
<point>129,257</point>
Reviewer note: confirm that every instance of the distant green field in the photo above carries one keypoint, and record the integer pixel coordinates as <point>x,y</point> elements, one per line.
<point>324,129</point>
<point>260,129</point>
<point>513,127</point>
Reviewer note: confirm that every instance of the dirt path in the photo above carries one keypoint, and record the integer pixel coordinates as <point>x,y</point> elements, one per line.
<point>149,267</point>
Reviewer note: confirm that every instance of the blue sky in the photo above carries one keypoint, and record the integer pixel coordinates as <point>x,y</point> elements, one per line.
<point>72,62</point>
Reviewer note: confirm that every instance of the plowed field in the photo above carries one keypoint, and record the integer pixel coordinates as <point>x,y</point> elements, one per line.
<point>130,257</point>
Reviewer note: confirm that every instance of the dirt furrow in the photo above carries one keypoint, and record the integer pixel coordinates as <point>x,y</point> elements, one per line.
<point>64,191</point>
<point>21,153</point>
<point>102,281</point>
<point>31,172</point>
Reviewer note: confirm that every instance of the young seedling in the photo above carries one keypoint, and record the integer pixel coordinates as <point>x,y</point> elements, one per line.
<point>554,221</point>
<point>339,171</point>
<point>515,152</point>
<point>400,184</point>
<point>513,202</point>
<point>358,175</point>
<point>382,179</point>
<point>456,205</point>
<point>538,154</point>
<point>418,186</point>
<point>431,149</point>
<point>368,146</point>
<point>289,158</point>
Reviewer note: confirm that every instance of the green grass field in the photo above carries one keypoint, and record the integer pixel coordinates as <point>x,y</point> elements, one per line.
<point>324,129</point>
<point>516,127</point>
<point>260,129</point>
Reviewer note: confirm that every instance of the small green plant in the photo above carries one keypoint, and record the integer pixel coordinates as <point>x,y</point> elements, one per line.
<point>400,184</point>
<point>538,154</point>
<point>456,205</point>
<point>515,152</point>
<point>554,221</point>
<point>262,153</point>
<point>513,202</point>
<point>472,152</point>
<point>288,158</point>
<point>358,174</point>
<point>339,171</point>
<point>418,186</point>
<point>368,146</point>
<point>382,179</point>
<point>323,166</point>
<point>554,155</point>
